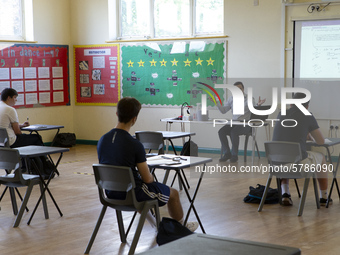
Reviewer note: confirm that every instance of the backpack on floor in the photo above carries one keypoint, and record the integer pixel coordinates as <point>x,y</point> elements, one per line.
<point>255,195</point>
<point>189,149</point>
<point>170,230</point>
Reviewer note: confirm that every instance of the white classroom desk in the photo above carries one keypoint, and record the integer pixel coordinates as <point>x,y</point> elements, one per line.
<point>255,125</point>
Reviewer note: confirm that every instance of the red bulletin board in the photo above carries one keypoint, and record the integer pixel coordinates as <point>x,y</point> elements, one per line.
<point>38,72</point>
<point>97,74</point>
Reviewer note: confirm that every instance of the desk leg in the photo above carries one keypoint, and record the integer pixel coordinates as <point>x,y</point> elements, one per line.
<point>334,180</point>
<point>43,191</point>
<point>55,137</point>
<point>192,200</point>
<point>253,145</point>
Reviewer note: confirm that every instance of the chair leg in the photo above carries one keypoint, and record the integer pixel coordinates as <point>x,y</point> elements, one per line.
<point>23,206</point>
<point>95,231</point>
<point>257,149</point>
<point>316,192</point>
<point>139,229</point>
<point>132,220</point>
<point>303,197</point>
<point>121,226</point>
<point>245,148</point>
<point>264,196</point>
<point>3,193</point>
<point>297,188</point>
<point>14,201</point>
<point>19,195</point>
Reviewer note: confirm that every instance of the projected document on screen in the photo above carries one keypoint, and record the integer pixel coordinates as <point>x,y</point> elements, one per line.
<point>317,49</point>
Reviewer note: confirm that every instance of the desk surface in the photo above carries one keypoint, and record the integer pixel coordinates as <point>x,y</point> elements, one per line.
<point>36,150</point>
<point>328,142</point>
<point>40,127</point>
<point>175,134</point>
<point>208,244</point>
<point>252,123</point>
<point>165,161</point>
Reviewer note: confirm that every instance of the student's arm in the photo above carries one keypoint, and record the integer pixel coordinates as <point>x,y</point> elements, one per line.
<point>16,128</point>
<point>144,172</point>
<point>318,137</point>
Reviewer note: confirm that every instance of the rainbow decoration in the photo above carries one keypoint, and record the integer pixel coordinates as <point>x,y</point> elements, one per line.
<point>218,96</point>
<point>209,93</point>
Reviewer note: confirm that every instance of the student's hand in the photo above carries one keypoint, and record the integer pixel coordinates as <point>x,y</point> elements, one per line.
<point>25,124</point>
<point>261,101</point>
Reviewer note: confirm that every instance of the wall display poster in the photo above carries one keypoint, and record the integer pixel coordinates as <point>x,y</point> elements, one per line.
<point>38,72</point>
<point>166,74</point>
<point>97,74</point>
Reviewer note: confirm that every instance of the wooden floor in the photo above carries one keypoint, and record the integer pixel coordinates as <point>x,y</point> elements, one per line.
<point>219,203</point>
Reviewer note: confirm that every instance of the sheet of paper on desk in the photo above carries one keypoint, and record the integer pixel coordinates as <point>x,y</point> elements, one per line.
<point>327,140</point>
<point>36,126</point>
<point>160,160</point>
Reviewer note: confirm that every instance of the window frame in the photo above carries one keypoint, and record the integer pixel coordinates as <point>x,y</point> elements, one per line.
<point>192,24</point>
<point>26,22</point>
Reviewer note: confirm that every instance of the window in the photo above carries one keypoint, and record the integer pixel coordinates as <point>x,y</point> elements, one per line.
<point>11,20</point>
<point>170,18</point>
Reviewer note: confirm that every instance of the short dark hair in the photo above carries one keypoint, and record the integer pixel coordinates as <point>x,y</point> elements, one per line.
<point>300,95</point>
<point>239,83</point>
<point>127,109</point>
<point>8,92</point>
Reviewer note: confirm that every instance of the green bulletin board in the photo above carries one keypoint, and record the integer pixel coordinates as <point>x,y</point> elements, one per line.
<point>162,74</point>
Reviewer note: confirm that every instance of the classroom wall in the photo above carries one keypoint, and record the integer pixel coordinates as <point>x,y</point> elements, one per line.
<point>51,26</point>
<point>255,55</point>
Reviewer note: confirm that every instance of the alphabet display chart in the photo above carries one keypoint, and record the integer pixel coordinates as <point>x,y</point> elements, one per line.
<point>97,73</point>
<point>38,72</point>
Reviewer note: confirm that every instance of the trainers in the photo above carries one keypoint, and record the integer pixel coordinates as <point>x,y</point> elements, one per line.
<point>286,200</point>
<point>233,159</point>
<point>323,201</point>
<point>225,157</point>
<point>192,225</point>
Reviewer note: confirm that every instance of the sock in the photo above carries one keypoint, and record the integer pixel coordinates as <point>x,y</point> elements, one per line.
<point>285,188</point>
<point>181,221</point>
<point>151,219</point>
<point>323,194</point>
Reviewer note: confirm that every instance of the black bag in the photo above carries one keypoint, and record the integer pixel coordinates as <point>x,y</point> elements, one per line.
<point>65,140</point>
<point>189,149</point>
<point>170,230</point>
<point>255,195</point>
<point>45,166</point>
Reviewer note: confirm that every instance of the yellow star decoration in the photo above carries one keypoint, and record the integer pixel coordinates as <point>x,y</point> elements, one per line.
<point>199,61</point>
<point>187,62</point>
<point>153,62</point>
<point>130,64</point>
<point>141,63</point>
<point>163,62</point>
<point>174,62</point>
<point>210,62</point>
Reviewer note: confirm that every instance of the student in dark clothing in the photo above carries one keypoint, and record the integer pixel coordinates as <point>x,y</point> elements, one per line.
<point>118,147</point>
<point>306,128</point>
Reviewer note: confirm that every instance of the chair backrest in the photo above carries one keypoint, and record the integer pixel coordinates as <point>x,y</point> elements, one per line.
<point>151,140</point>
<point>116,178</point>
<point>4,140</point>
<point>10,160</point>
<point>284,153</point>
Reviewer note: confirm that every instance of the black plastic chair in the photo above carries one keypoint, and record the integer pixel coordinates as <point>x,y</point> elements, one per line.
<point>284,154</point>
<point>154,141</point>
<point>118,178</point>
<point>10,161</point>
